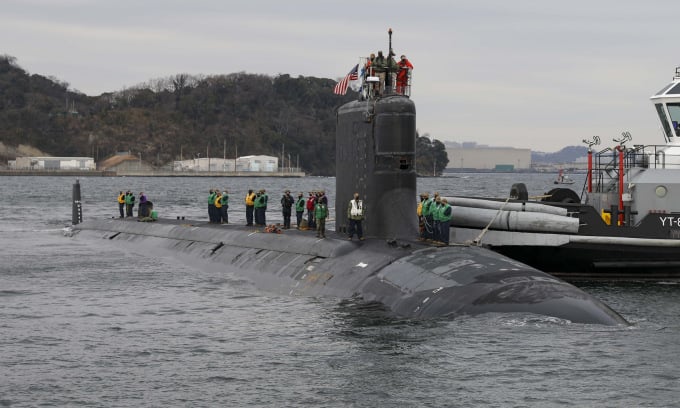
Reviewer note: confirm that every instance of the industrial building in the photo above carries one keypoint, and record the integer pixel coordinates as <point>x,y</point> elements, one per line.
<point>474,157</point>
<point>52,163</point>
<point>240,164</point>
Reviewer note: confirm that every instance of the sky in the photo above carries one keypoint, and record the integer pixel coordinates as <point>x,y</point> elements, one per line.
<point>537,74</point>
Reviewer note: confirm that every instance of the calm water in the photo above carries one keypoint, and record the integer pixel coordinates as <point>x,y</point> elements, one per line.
<point>87,324</point>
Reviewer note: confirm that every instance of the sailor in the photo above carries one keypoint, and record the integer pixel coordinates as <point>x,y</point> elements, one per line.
<point>211,206</point>
<point>300,208</point>
<point>225,207</point>
<point>142,205</point>
<point>403,74</point>
<point>379,66</point>
<point>129,203</point>
<point>355,213</point>
<point>434,210</point>
<point>250,207</point>
<point>428,221</point>
<point>260,208</point>
<point>218,208</point>
<point>287,202</point>
<point>321,214</point>
<point>311,202</point>
<point>421,218</point>
<point>444,221</point>
<point>121,204</point>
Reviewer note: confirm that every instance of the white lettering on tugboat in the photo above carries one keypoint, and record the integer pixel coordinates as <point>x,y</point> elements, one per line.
<point>670,221</point>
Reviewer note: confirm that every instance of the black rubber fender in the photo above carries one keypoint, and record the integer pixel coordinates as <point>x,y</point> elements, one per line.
<point>518,191</point>
<point>562,195</point>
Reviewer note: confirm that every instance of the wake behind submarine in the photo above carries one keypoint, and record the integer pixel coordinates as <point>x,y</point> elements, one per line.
<point>375,156</point>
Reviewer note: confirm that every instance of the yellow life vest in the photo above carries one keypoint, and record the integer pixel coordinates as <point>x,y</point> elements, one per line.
<point>218,201</point>
<point>420,209</point>
<point>250,199</point>
<point>121,199</point>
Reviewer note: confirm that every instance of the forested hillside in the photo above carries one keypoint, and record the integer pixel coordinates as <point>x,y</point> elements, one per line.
<point>183,114</point>
<point>180,116</point>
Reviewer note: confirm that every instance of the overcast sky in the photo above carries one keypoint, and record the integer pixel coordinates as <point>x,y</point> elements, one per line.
<point>538,74</point>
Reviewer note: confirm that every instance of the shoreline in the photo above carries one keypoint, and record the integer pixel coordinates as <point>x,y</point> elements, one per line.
<point>100,173</point>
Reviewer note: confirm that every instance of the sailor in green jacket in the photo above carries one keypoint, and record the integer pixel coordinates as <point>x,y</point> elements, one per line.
<point>428,220</point>
<point>211,206</point>
<point>444,215</point>
<point>260,207</point>
<point>129,203</point>
<point>300,208</point>
<point>320,214</point>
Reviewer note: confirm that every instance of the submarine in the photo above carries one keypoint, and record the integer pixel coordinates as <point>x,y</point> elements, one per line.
<point>375,157</point>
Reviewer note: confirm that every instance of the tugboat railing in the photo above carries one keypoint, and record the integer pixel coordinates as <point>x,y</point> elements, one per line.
<point>606,164</point>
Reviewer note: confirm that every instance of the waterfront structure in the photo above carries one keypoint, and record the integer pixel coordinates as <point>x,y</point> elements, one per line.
<point>471,156</point>
<point>52,163</point>
<point>253,163</point>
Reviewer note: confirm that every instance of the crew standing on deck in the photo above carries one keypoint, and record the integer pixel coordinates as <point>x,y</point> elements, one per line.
<point>121,204</point>
<point>142,212</point>
<point>311,203</point>
<point>250,207</point>
<point>287,202</point>
<point>224,200</point>
<point>300,208</point>
<point>218,208</point>
<point>211,206</point>
<point>260,208</point>
<point>428,220</point>
<point>321,214</point>
<point>436,230</point>
<point>355,213</point>
<point>129,203</point>
<point>444,221</point>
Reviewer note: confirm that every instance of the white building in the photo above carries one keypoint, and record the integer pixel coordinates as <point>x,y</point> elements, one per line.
<point>241,164</point>
<point>53,163</point>
<point>488,158</point>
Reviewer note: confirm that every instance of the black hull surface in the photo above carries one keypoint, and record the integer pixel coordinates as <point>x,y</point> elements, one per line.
<point>600,262</point>
<point>408,278</point>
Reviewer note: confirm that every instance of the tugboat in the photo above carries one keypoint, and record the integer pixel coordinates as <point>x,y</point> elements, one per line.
<point>625,226</point>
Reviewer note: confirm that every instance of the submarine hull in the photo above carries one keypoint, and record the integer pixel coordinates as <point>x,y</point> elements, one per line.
<point>410,279</point>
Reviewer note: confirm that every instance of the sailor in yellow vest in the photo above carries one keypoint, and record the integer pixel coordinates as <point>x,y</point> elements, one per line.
<point>218,207</point>
<point>121,204</point>
<point>250,207</point>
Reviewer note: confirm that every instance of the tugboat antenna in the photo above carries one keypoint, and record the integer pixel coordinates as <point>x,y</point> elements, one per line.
<point>594,142</point>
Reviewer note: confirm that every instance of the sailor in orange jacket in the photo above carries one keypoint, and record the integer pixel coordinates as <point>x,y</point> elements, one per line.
<point>403,74</point>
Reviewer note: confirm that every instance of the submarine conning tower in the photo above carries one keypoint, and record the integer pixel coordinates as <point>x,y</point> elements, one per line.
<point>375,157</point>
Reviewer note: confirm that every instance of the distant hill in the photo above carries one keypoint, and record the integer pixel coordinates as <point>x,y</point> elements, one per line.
<point>567,155</point>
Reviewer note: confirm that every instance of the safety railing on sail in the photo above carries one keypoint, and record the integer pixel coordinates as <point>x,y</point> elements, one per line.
<point>385,81</point>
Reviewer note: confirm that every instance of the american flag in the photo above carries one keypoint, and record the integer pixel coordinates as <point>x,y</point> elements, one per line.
<point>341,87</point>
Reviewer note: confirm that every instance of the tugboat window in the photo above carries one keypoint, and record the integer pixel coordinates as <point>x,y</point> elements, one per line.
<point>674,112</point>
<point>664,120</point>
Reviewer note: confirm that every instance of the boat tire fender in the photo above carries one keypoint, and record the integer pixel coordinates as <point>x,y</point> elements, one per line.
<point>562,195</point>
<point>518,191</point>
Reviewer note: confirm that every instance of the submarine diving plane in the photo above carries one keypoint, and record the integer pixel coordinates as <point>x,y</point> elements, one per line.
<point>375,156</point>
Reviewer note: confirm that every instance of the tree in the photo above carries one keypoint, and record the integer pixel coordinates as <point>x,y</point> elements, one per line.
<point>431,157</point>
